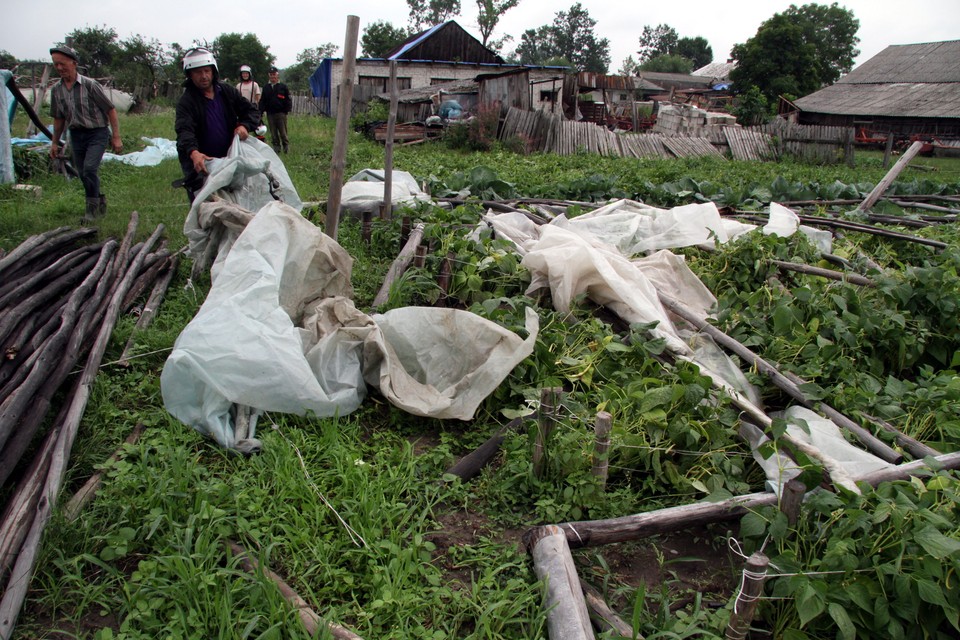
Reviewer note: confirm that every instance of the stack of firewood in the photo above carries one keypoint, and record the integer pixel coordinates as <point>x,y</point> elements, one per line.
<point>60,296</point>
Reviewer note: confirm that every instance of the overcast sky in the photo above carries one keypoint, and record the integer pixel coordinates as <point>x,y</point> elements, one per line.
<point>288,27</point>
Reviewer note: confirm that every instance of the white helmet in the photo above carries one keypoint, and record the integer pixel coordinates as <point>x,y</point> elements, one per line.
<point>246,68</point>
<point>199,57</point>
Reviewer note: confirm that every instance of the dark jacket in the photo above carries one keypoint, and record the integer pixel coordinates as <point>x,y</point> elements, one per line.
<point>275,99</point>
<point>191,122</point>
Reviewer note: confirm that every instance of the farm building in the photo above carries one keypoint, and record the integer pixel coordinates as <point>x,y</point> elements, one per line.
<point>445,53</point>
<point>907,90</point>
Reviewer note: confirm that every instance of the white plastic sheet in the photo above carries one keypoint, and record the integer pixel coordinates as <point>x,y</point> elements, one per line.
<point>279,332</point>
<point>364,191</point>
<point>7,174</point>
<point>156,151</point>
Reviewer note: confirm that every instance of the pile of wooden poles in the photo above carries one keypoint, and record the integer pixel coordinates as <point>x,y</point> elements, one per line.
<point>60,298</point>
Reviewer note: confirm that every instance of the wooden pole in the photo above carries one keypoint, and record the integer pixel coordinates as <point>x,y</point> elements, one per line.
<point>888,179</point>
<point>751,587</point>
<point>888,150</point>
<point>603,617</point>
<point>92,485</point>
<point>386,209</point>
<point>404,258</point>
<point>790,498</point>
<point>546,421</point>
<point>567,615</point>
<point>601,447</point>
<point>344,107</point>
<point>308,617</point>
<point>470,465</point>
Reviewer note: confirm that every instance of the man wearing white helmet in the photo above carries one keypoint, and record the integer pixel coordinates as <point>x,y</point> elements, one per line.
<point>209,114</point>
<point>247,87</point>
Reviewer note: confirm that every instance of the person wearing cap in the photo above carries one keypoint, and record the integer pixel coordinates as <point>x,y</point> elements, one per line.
<point>209,114</point>
<point>247,87</point>
<point>276,103</point>
<point>80,106</point>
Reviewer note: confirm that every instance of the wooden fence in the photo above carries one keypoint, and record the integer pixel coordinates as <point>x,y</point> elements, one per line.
<point>550,133</point>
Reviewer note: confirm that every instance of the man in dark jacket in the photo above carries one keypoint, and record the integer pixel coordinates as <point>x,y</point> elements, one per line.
<point>276,103</point>
<point>209,114</point>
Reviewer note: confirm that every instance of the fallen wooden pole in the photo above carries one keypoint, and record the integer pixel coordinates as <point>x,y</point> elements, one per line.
<point>308,617</point>
<point>888,179</point>
<point>852,278</point>
<point>871,442</point>
<point>89,489</point>
<point>567,615</point>
<point>470,465</point>
<point>152,305</point>
<point>404,258</point>
<point>591,533</point>
<point>603,617</point>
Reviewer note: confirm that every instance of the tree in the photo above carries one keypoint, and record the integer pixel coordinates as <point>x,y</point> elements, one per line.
<point>656,41</point>
<point>489,13</point>
<point>96,46</point>
<point>297,76</point>
<point>798,51</point>
<point>427,13</point>
<point>669,63</point>
<point>629,67</point>
<point>140,64</point>
<point>235,49</point>
<point>697,50</point>
<point>380,37</point>
<point>7,60</point>
<point>570,38</point>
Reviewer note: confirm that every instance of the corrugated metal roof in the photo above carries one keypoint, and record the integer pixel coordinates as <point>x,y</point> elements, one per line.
<point>718,70</point>
<point>927,62</point>
<point>913,99</point>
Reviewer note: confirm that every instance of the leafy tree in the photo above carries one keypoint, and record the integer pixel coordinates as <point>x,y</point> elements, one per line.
<point>380,37</point>
<point>668,63</point>
<point>97,48</point>
<point>697,50</point>
<point>571,38</point>
<point>7,60</point>
<point>140,64</point>
<point>427,13</point>
<point>751,107</point>
<point>235,49</point>
<point>489,13</point>
<point>297,76</point>
<point>798,51</point>
<point>629,67</point>
<point>657,41</point>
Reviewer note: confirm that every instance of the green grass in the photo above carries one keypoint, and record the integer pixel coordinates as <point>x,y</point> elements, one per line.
<point>147,559</point>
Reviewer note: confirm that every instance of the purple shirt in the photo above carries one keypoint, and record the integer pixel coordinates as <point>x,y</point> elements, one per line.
<point>217,138</point>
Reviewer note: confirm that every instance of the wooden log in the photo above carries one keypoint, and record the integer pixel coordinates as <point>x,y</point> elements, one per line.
<point>643,525</point>
<point>790,498</point>
<point>601,447</point>
<point>567,615</point>
<point>149,311</point>
<point>308,617</point>
<point>17,288</point>
<point>89,489</point>
<point>603,617</point>
<point>470,465</point>
<point>404,258</point>
<point>916,448</point>
<point>871,442</point>
<point>338,161</point>
<point>888,179</point>
<point>23,568</point>
<point>745,605</point>
<point>852,278</point>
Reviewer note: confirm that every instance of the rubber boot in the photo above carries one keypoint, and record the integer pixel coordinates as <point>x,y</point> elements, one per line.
<point>102,206</point>
<point>93,207</point>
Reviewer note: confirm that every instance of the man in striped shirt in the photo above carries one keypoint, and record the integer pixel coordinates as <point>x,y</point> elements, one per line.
<point>81,106</point>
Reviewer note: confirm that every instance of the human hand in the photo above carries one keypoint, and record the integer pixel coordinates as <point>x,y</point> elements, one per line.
<point>116,144</point>
<point>199,161</point>
<point>241,132</point>
<point>54,150</point>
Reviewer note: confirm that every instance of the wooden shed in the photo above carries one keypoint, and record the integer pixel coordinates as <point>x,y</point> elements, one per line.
<point>906,90</point>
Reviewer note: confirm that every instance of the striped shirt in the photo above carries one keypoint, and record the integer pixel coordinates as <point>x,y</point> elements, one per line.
<point>85,106</point>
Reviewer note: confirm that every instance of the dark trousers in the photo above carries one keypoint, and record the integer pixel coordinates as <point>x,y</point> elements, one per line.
<point>88,146</point>
<point>278,131</point>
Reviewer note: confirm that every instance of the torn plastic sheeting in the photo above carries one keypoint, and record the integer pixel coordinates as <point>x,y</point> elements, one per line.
<point>278,332</point>
<point>156,151</point>
<point>784,222</point>
<point>364,192</point>
<point>241,178</point>
<point>820,432</point>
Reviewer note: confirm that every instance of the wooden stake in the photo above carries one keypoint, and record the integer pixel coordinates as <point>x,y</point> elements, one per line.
<point>888,179</point>
<point>601,428</point>
<point>546,421</point>
<point>386,211</point>
<point>790,499</point>
<point>344,107</point>
<point>751,587</point>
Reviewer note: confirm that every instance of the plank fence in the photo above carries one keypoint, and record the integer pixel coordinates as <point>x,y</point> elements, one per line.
<point>547,132</point>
